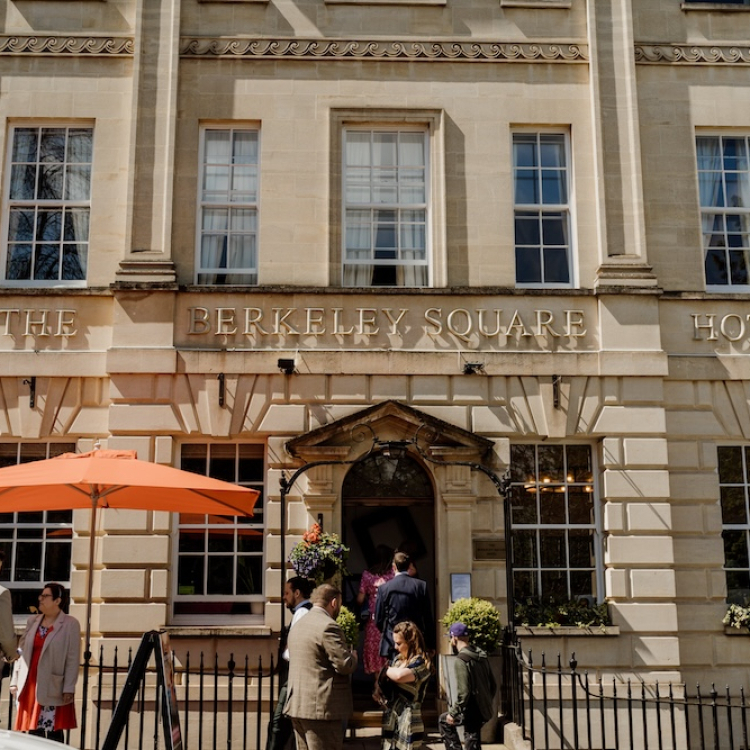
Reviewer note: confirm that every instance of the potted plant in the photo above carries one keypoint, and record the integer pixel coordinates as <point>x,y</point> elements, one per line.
<point>737,616</point>
<point>553,613</point>
<point>320,556</point>
<point>349,625</point>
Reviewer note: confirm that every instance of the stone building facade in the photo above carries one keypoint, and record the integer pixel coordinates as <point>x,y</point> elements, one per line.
<point>513,231</point>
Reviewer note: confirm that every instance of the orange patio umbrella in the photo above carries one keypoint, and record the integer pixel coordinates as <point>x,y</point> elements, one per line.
<point>116,479</point>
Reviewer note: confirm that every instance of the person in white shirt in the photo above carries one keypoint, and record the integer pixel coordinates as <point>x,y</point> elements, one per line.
<point>297,592</point>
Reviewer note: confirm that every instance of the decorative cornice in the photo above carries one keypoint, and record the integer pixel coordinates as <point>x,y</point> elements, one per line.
<point>368,49</point>
<point>89,46</point>
<point>692,54</point>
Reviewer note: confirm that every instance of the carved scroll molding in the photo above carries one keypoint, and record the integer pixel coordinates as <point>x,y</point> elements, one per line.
<point>692,54</point>
<point>412,51</point>
<point>88,46</point>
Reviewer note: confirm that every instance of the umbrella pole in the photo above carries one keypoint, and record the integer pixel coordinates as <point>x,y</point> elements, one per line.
<point>89,595</point>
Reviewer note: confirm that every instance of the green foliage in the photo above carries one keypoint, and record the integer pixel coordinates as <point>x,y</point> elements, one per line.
<point>737,617</point>
<point>480,617</point>
<point>348,623</point>
<point>554,613</point>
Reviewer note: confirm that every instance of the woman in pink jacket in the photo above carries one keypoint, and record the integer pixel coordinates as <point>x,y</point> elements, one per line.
<point>44,678</point>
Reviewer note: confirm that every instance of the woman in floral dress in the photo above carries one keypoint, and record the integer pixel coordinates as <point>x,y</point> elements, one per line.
<point>370,582</point>
<point>44,677</point>
<point>403,728</point>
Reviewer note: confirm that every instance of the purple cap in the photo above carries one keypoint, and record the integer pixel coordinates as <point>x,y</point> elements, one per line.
<point>459,630</point>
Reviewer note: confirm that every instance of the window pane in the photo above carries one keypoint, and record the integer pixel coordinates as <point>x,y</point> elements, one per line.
<point>542,237</point>
<point>564,565</point>
<point>385,208</point>
<point>221,557</point>
<point>735,549</point>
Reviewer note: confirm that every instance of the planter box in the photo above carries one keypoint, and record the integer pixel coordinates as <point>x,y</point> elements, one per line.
<point>567,631</point>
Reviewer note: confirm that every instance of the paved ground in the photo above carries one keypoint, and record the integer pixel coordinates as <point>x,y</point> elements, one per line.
<point>369,739</point>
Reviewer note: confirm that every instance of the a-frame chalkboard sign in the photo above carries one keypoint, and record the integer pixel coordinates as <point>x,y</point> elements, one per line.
<point>157,643</point>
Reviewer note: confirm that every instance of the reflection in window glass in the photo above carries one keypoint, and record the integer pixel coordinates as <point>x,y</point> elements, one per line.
<point>38,544</point>
<point>220,558</point>
<point>542,213</point>
<point>555,549</point>
<point>733,493</point>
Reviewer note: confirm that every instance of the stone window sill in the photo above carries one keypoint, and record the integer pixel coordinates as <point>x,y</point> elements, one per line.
<point>714,6</point>
<point>728,630</point>
<point>386,2</point>
<point>567,631</point>
<point>224,631</point>
<point>563,4</point>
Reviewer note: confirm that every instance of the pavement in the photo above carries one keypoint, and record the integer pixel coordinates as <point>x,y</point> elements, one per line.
<point>369,739</point>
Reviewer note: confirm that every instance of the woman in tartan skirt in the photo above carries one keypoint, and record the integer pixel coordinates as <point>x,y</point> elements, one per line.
<point>406,681</point>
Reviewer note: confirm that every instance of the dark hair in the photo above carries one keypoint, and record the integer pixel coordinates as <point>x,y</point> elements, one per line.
<point>301,584</point>
<point>401,560</point>
<point>58,592</point>
<point>384,559</point>
<point>325,594</point>
<point>414,640</point>
<point>2,556</point>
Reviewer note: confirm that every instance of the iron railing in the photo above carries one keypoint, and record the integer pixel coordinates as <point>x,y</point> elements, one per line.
<point>223,705</point>
<point>557,707</point>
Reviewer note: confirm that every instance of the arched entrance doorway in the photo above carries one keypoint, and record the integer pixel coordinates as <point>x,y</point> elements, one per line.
<point>387,501</point>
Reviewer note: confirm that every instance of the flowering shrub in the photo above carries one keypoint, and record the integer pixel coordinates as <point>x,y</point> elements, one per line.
<point>319,555</point>
<point>737,617</point>
<point>480,617</point>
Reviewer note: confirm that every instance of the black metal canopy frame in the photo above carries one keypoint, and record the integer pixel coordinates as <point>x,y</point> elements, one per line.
<point>395,449</point>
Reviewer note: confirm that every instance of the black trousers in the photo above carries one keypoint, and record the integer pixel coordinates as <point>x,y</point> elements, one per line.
<point>56,735</point>
<point>280,726</point>
<point>451,740</point>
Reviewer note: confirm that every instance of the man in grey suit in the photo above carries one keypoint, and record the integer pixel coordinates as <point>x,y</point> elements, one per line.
<point>8,638</point>
<point>319,697</point>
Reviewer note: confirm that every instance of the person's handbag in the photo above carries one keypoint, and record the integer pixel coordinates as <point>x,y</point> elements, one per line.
<point>384,691</point>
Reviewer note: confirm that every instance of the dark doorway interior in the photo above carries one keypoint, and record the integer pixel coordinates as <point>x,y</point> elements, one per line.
<point>387,501</point>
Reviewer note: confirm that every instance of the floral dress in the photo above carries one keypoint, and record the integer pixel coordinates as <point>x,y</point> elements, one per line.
<point>30,714</point>
<point>403,728</point>
<point>371,657</point>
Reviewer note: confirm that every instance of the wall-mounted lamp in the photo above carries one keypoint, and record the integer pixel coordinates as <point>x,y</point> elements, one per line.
<point>556,380</point>
<point>31,382</point>
<point>287,366</point>
<point>222,389</point>
<point>472,368</point>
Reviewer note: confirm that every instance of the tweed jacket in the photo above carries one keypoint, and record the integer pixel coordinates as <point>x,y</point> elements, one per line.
<point>320,663</point>
<point>403,598</point>
<point>58,663</point>
<point>8,637</point>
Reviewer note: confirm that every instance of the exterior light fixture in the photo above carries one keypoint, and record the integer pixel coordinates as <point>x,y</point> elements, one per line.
<point>287,366</point>
<point>31,382</point>
<point>472,368</point>
<point>222,389</point>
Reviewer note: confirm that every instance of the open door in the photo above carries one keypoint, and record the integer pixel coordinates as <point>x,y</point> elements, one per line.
<point>386,501</point>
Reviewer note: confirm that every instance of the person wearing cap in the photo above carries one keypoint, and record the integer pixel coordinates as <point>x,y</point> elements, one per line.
<point>473,703</point>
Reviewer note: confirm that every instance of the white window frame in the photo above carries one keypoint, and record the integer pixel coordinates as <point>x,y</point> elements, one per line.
<point>397,207</point>
<point>432,122</point>
<point>566,208</point>
<point>39,204</point>
<point>594,527</point>
<point>17,533</point>
<point>743,528</point>
<point>257,523</point>
<point>738,211</point>
<point>251,272</point>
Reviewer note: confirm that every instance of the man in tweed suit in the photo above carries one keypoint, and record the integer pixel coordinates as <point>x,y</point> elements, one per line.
<point>319,698</point>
